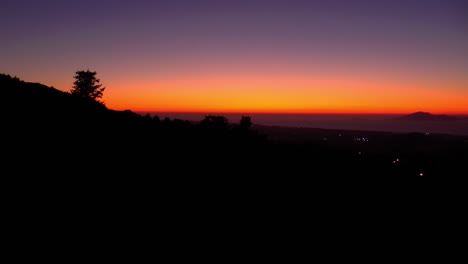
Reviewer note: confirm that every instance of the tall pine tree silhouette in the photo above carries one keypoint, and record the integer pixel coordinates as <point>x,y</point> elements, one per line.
<point>87,86</point>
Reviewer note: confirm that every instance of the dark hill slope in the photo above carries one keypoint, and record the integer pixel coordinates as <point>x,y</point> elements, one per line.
<point>48,108</point>
<point>52,128</point>
<point>62,151</point>
<point>79,152</point>
<point>55,131</point>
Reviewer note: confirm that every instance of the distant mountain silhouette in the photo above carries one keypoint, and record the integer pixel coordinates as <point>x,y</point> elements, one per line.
<point>425,116</point>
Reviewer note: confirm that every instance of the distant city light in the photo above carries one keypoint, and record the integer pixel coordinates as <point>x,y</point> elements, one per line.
<point>361,139</point>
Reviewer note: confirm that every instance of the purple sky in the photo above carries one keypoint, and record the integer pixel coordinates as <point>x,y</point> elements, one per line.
<point>47,41</point>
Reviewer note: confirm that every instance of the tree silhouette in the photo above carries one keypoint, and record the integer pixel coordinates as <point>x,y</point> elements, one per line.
<point>246,122</point>
<point>215,122</point>
<point>87,86</point>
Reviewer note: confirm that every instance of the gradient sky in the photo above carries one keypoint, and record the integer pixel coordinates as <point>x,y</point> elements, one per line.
<point>373,56</point>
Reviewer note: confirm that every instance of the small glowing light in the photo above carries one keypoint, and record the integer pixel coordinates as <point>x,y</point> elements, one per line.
<point>421,174</point>
<point>397,160</point>
<point>359,152</point>
<point>394,162</point>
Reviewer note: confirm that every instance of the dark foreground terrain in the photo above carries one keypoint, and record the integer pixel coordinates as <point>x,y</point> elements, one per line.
<point>53,142</point>
<point>75,170</point>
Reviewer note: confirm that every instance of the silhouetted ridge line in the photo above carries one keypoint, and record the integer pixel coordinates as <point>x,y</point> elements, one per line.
<point>76,144</point>
<point>37,115</point>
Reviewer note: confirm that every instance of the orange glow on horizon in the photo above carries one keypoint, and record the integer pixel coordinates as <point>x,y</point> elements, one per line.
<point>285,95</point>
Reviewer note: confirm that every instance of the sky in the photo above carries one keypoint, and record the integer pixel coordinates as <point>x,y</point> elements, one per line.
<point>292,56</point>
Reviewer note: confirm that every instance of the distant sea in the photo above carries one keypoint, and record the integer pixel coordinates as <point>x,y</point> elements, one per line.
<point>366,122</point>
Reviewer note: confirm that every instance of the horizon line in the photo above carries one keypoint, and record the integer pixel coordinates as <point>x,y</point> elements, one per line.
<point>294,112</point>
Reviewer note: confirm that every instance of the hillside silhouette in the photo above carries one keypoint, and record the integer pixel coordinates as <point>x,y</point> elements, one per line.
<point>68,144</point>
<point>43,123</point>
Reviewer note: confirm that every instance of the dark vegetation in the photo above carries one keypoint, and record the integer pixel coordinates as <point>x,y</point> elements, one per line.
<point>55,140</point>
<point>87,86</point>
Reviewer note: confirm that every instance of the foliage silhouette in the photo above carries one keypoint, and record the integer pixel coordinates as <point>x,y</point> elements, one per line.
<point>215,122</point>
<point>245,122</point>
<point>87,86</point>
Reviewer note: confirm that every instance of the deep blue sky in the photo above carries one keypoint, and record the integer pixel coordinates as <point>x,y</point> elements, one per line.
<point>407,42</point>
